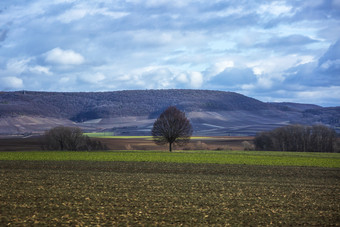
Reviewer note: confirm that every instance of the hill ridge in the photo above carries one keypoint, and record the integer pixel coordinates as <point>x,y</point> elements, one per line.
<point>224,112</point>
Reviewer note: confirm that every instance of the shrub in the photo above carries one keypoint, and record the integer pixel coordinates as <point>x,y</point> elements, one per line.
<point>247,146</point>
<point>69,138</point>
<point>224,148</point>
<point>201,146</point>
<point>128,147</point>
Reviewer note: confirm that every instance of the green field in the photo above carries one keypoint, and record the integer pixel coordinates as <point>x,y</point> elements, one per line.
<point>84,193</point>
<point>331,160</point>
<point>110,135</point>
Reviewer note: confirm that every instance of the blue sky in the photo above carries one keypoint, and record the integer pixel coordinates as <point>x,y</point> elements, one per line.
<point>270,50</point>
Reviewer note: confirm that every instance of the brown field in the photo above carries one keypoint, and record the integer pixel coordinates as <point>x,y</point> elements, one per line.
<point>79,193</point>
<point>218,142</point>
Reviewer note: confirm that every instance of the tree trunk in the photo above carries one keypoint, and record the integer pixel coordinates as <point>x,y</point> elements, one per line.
<point>170,147</point>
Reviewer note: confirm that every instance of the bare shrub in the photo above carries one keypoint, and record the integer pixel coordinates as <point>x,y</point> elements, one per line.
<point>189,147</point>
<point>224,148</point>
<point>70,139</point>
<point>201,146</point>
<point>247,146</point>
<point>128,147</point>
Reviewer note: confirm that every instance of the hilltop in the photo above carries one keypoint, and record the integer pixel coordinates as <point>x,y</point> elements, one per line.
<point>133,112</point>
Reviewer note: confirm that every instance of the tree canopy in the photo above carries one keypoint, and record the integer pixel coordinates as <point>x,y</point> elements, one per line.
<point>172,127</point>
<point>70,139</point>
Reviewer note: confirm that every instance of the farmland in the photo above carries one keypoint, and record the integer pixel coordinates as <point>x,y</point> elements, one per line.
<point>151,193</point>
<point>33,143</point>
<point>214,157</point>
<point>156,187</point>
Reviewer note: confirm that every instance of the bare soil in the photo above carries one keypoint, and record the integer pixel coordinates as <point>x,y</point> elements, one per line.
<point>80,193</point>
<point>218,142</point>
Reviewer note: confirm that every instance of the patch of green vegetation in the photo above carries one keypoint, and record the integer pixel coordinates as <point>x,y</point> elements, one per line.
<point>203,138</point>
<point>99,134</point>
<point>219,157</point>
<point>112,136</point>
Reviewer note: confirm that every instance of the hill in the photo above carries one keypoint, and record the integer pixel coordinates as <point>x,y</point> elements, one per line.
<point>133,112</point>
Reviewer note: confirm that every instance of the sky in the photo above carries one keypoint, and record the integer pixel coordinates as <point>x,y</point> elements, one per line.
<point>274,51</point>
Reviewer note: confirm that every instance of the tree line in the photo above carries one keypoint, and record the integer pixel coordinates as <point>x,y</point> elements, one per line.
<point>172,127</point>
<point>316,138</point>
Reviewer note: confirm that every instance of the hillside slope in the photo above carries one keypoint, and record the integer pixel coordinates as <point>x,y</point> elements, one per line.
<point>133,112</point>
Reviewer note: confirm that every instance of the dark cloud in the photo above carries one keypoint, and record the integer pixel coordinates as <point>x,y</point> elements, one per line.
<point>329,64</point>
<point>324,73</point>
<point>332,54</point>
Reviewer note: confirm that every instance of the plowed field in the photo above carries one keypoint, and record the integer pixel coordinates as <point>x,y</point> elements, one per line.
<point>84,193</point>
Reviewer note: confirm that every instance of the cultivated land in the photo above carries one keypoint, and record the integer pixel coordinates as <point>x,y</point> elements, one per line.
<point>131,143</point>
<point>272,158</point>
<point>156,187</point>
<point>150,193</point>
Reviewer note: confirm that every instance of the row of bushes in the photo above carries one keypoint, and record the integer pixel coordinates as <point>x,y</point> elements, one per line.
<point>317,138</point>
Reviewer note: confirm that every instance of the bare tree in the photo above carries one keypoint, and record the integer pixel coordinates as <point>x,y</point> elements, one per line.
<point>63,138</point>
<point>316,138</point>
<point>69,138</point>
<point>172,127</point>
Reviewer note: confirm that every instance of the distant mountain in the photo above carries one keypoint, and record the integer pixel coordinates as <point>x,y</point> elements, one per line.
<point>133,112</point>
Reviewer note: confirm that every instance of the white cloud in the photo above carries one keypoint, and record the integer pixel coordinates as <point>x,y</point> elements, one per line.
<point>63,1</point>
<point>264,82</point>
<point>15,66</point>
<point>71,15</point>
<point>274,66</point>
<point>196,79</point>
<point>11,82</point>
<point>64,57</point>
<point>182,78</point>
<point>239,10</point>
<point>81,11</point>
<point>319,95</point>
<point>40,69</point>
<point>164,44</point>
<point>93,78</point>
<point>274,8</point>
<point>64,80</point>
<point>158,3</point>
<point>219,67</point>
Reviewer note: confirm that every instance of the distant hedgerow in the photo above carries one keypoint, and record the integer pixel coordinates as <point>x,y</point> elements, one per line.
<point>316,138</point>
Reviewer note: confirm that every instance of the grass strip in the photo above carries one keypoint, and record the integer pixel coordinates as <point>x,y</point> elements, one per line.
<point>330,160</point>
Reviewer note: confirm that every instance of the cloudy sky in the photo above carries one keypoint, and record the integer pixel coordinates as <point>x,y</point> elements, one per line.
<point>269,50</point>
